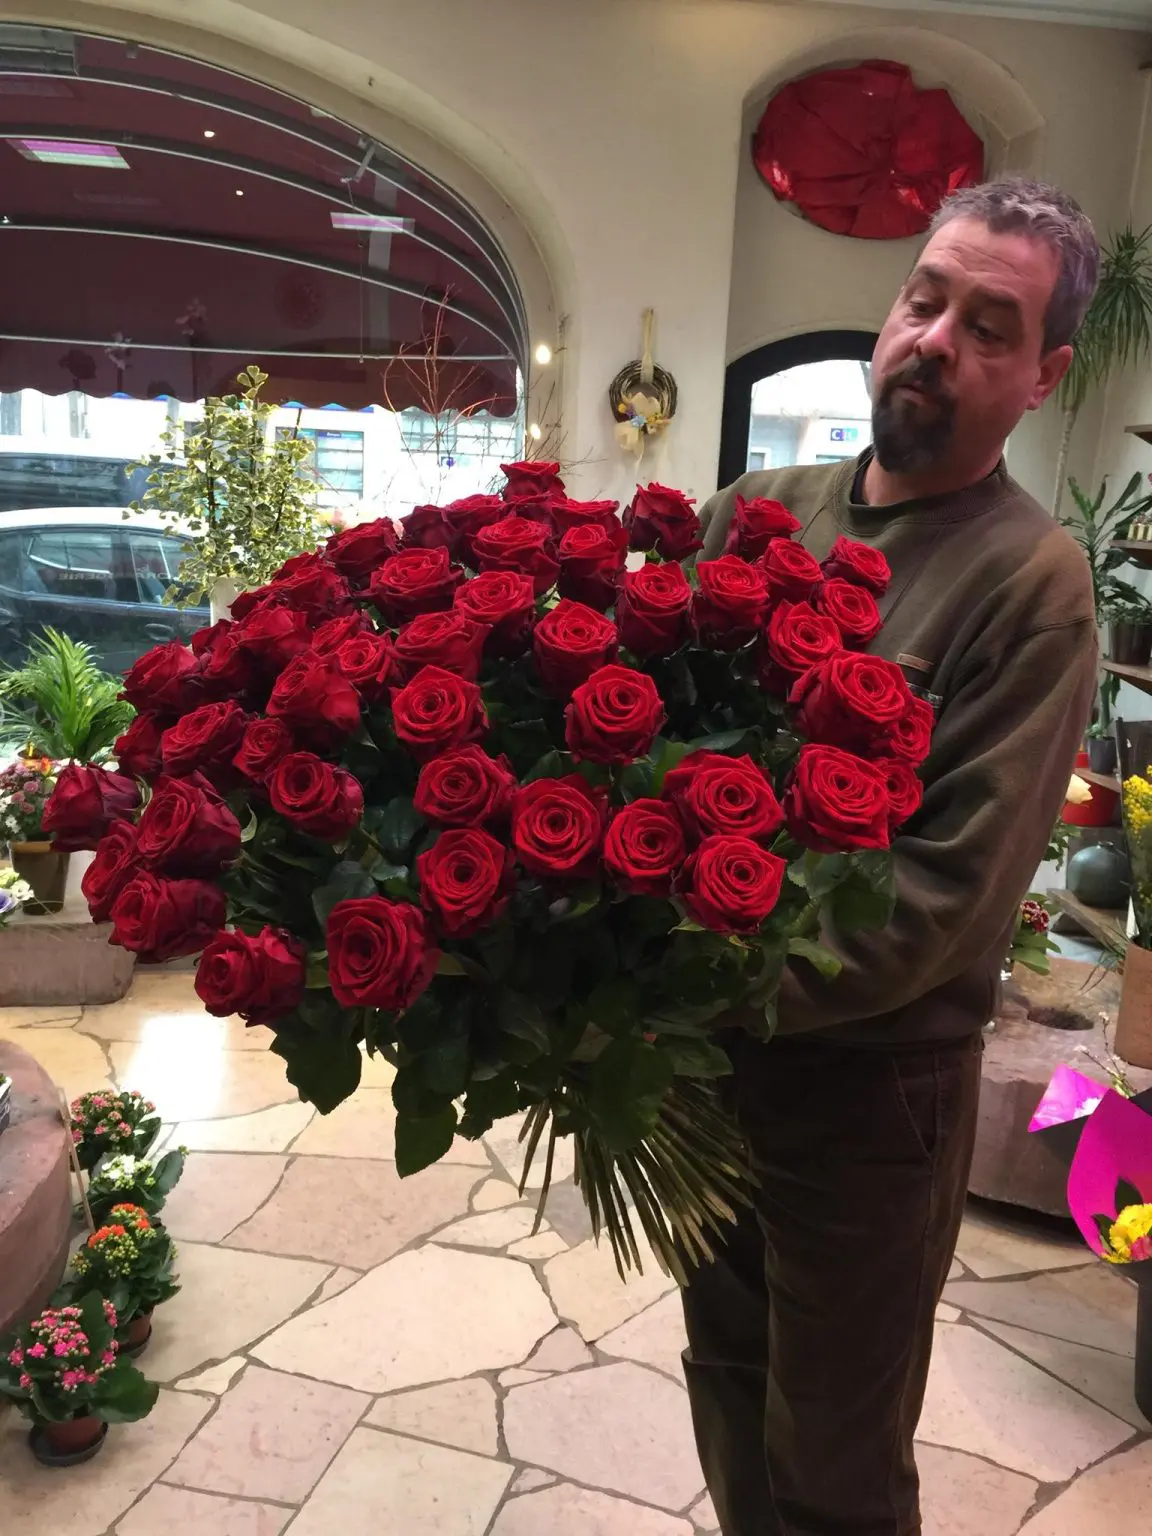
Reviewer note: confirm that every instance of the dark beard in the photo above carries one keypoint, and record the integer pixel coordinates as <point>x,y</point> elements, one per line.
<point>904,437</point>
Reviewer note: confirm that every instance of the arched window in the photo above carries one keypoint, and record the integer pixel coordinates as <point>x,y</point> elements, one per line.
<point>804,400</point>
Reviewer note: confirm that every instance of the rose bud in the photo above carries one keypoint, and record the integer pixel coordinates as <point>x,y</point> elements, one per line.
<point>357,551</point>
<point>465,788</point>
<point>161,919</point>
<point>205,741</point>
<point>505,601</point>
<point>910,736</point>
<point>316,700</point>
<point>465,881</point>
<point>715,794</point>
<point>164,679</point>
<point>852,701</point>
<point>731,884</point>
<point>905,790</point>
<point>368,662</point>
<point>567,514</point>
<point>518,544</point>
<point>380,954</point>
<point>272,637</point>
<point>836,802</point>
<point>465,518</point>
<point>614,717</point>
<point>425,528</point>
<point>315,797</point>
<point>860,564</point>
<point>258,976</point>
<point>569,643</point>
<point>313,588</point>
<point>187,830</point>
<point>591,560</point>
<point>852,609</point>
<point>437,711</point>
<point>729,604</point>
<point>755,524</point>
<point>530,477</point>
<point>653,609</point>
<point>84,804</point>
<point>797,639</point>
<point>111,869</point>
<point>558,827</point>
<point>645,848</point>
<point>265,743</point>
<point>138,751</point>
<point>792,574</point>
<point>449,640</point>
<point>663,520</point>
<point>415,581</point>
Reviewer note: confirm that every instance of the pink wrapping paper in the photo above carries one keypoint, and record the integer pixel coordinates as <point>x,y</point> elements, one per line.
<point>1069,1096</point>
<point>1116,1144</point>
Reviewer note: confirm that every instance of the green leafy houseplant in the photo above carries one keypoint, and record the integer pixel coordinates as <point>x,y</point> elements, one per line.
<point>60,703</point>
<point>237,492</point>
<point>129,1260</point>
<point>1117,331</point>
<point>128,1180</point>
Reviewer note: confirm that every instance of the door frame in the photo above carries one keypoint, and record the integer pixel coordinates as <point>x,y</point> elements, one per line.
<point>743,374</point>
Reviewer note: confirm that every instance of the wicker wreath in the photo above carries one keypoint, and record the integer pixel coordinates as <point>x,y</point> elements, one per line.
<point>630,381</point>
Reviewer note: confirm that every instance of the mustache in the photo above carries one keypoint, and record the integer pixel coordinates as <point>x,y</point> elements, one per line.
<point>922,373</point>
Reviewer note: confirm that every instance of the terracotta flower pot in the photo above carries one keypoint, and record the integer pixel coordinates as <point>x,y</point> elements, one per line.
<point>70,1443</point>
<point>46,871</point>
<point>1134,1024</point>
<point>139,1332</point>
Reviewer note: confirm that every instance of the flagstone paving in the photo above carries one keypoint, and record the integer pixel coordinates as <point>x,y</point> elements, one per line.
<point>356,1354</point>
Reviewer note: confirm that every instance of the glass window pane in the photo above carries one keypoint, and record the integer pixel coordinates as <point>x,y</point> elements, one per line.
<point>817,413</point>
<point>153,565</point>
<point>74,562</point>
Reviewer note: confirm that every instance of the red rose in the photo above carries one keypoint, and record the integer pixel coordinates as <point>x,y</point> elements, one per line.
<point>569,643</point>
<point>531,477</point>
<point>850,701</point>
<point>653,608</point>
<point>162,919</point>
<point>368,662</point>
<point>84,804</point>
<point>227,668</point>
<point>729,604</point>
<point>312,588</point>
<point>449,640</point>
<point>465,518</point>
<point>755,524</point>
<point>244,604</point>
<point>465,788</point>
<point>836,803</point>
<point>791,572</point>
<point>591,559</point>
<point>315,699</point>
<point>380,954</point>
<point>518,544</point>
<point>273,636</point>
<point>315,797</point>
<point>905,791</point>
<point>614,717</point>
<point>333,632</point>
<point>138,751</point>
<point>164,679</point>
<point>187,830</point>
<point>208,637</point>
<point>110,870</point>
<point>558,826</point>
<point>910,736</point>
<point>295,565</point>
<point>537,509</point>
<point>425,528</point>
<point>858,563</point>
<point>716,794</point>
<point>265,743</point>
<point>567,514</point>
<point>415,581</point>
<point>437,711</point>
<point>731,884</point>
<point>645,848</point>
<point>204,741</point>
<point>852,609</point>
<point>505,601</point>
<point>465,881</point>
<point>663,520</point>
<point>797,638</point>
<point>357,551</point>
<point>260,976</point>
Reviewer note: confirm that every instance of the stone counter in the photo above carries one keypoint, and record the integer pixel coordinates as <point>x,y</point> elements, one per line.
<point>35,1190</point>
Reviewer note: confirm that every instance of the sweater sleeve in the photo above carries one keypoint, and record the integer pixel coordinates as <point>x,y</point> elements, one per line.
<point>1003,751</point>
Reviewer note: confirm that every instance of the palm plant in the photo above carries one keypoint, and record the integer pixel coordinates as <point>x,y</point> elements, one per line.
<point>1117,331</point>
<point>60,704</point>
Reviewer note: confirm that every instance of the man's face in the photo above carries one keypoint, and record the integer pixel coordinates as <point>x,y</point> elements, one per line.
<point>961,356</point>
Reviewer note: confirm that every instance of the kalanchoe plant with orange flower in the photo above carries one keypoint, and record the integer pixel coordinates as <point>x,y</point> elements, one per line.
<point>108,1122</point>
<point>129,1260</point>
<point>473,794</point>
<point>66,1364</point>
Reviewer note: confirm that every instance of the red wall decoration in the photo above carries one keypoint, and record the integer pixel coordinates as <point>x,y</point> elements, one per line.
<point>864,152</point>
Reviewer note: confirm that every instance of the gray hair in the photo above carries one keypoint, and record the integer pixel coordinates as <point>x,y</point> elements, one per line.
<point>1014,205</point>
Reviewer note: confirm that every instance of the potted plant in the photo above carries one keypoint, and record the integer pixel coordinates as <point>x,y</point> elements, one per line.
<point>129,1260</point>
<point>64,1371</point>
<point>239,492</point>
<point>105,1123</point>
<point>60,705</point>
<point>1031,944</point>
<point>15,893</point>
<point>129,1180</point>
<point>5,1101</point>
<point>24,790</point>
<point>1129,630</point>
<point>1134,1022</point>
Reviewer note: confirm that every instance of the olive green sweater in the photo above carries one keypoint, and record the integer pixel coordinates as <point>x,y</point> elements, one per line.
<point>990,611</point>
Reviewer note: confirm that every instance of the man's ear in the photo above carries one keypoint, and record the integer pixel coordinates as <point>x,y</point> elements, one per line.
<point>1053,367</point>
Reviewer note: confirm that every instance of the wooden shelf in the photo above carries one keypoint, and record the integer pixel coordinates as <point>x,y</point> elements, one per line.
<point>1143,433</point>
<point>1139,677</point>
<point>1136,551</point>
<point>1103,780</point>
<point>1109,926</point>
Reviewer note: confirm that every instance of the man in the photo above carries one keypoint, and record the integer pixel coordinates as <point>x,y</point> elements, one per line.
<point>809,1338</point>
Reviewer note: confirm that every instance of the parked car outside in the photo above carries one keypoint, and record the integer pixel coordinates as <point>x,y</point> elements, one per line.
<point>93,575</point>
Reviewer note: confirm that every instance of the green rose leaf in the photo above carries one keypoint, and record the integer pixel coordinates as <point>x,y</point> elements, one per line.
<point>821,959</point>
<point>349,881</point>
<point>323,1068</point>
<point>629,1081</point>
<point>420,1142</point>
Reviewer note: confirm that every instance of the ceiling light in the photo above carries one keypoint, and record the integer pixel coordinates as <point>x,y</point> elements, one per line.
<point>376,223</point>
<point>64,152</point>
<point>534,432</point>
<point>543,354</point>
<point>209,133</point>
<point>239,193</point>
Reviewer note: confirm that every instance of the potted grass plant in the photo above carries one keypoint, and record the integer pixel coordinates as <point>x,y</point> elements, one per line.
<point>130,1261</point>
<point>65,1372</point>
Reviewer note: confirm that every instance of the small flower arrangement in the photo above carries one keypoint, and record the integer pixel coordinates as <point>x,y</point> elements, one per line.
<point>130,1180</point>
<point>105,1122</point>
<point>129,1260</point>
<point>24,791</point>
<point>1031,944</point>
<point>65,1365</point>
<point>1127,1237</point>
<point>14,892</point>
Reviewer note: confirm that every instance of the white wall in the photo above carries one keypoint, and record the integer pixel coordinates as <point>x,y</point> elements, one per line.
<point>615,132</point>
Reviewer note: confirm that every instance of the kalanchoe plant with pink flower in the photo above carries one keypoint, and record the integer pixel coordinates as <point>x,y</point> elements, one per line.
<point>108,1122</point>
<point>65,1364</point>
<point>472,793</point>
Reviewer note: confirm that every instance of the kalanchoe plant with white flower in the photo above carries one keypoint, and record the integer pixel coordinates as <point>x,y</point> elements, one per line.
<point>65,1364</point>
<point>128,1180</point>
<point>106,1123</point>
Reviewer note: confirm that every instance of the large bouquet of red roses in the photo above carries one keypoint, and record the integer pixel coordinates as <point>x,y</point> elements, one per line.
<point>472,793</point>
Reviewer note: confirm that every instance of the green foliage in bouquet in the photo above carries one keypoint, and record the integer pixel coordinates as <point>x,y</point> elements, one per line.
<point>129,1180</point>
<point>65,1364</point>
<point>237,491</point>
<point>530,824</point>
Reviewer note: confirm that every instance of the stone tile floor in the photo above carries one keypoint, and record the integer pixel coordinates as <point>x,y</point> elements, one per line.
<point>356,1354</point>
